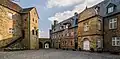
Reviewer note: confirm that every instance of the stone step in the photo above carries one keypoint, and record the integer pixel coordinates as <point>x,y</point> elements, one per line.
<point>13,49</point>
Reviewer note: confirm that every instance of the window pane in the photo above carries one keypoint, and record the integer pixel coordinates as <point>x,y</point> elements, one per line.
<point>110,9</point>
<point>110,24</point>
<point>118,43</point>
<point>115,23</point>
<point>113,43</point>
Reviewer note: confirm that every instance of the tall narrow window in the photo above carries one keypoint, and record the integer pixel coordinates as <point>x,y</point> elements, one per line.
<point>33,19</point>
<point>113,23</point>
<point>36,21</point>
<point>33,32</point>
<point>37,32</point>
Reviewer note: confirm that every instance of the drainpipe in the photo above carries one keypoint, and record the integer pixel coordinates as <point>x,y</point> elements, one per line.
<point>29,29</point>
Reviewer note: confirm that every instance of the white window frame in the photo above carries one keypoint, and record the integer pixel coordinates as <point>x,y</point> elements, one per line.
<point>113,23</point>
<point>115,40</point>
<point>110,9</point>
<point>86,27</point>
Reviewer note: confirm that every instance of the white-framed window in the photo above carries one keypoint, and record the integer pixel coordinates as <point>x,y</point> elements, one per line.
<point>10,15</point>
<point>115,41</point>
<point>113,23</point>
<point>110,9</point>
<point>86,27</point>
<point>11,30</point>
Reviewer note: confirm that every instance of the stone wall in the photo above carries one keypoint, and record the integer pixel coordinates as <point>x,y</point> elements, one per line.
<point>109,33</point>
<point>10,27</point>
<point>34,41</point>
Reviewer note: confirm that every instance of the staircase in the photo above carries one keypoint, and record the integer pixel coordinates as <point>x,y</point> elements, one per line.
<point>11,45</point>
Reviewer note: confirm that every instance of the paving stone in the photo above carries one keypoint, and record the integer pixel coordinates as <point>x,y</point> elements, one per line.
<point>55,54</point>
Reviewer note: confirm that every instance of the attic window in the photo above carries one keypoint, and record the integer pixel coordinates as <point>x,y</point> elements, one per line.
<point>110,9</point>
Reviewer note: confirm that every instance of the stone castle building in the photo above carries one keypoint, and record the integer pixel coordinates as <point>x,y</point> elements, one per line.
<point>98,29</point>
<point>108,10</point>
<point>18,26</point>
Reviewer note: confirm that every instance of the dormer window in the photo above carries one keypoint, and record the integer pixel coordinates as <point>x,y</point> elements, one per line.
<point>110,9</point>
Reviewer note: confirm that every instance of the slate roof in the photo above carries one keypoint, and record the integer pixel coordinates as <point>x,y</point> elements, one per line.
<point>26,10</point>
<point>103,7</point>
<point>70,20</point>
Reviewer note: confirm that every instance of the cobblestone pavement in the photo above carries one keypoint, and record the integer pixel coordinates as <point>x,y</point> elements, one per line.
<point>55,54</point>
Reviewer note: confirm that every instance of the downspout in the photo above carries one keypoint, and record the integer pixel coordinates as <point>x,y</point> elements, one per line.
<point>29,29</point>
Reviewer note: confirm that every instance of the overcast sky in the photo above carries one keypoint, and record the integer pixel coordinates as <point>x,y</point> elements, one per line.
<point>60,10</point>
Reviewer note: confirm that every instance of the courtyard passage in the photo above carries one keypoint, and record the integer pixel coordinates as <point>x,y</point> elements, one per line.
<point>55,54</point>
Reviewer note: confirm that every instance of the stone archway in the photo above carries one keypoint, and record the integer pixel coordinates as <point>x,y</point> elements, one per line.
<point>86,44</point>
<point>47,45</point>
<point>40,45</point>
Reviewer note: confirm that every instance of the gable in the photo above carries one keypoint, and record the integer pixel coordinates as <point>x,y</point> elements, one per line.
<point>35,12</point>
<point>110,5</point>
<point>87,13</point>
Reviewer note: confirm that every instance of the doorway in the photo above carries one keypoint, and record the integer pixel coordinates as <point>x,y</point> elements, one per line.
<point>76,45</point>
<point>40,45</point>
<point>86,44</point>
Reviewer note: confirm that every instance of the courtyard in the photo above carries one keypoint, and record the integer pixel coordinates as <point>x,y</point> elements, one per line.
<point>55,54</point>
